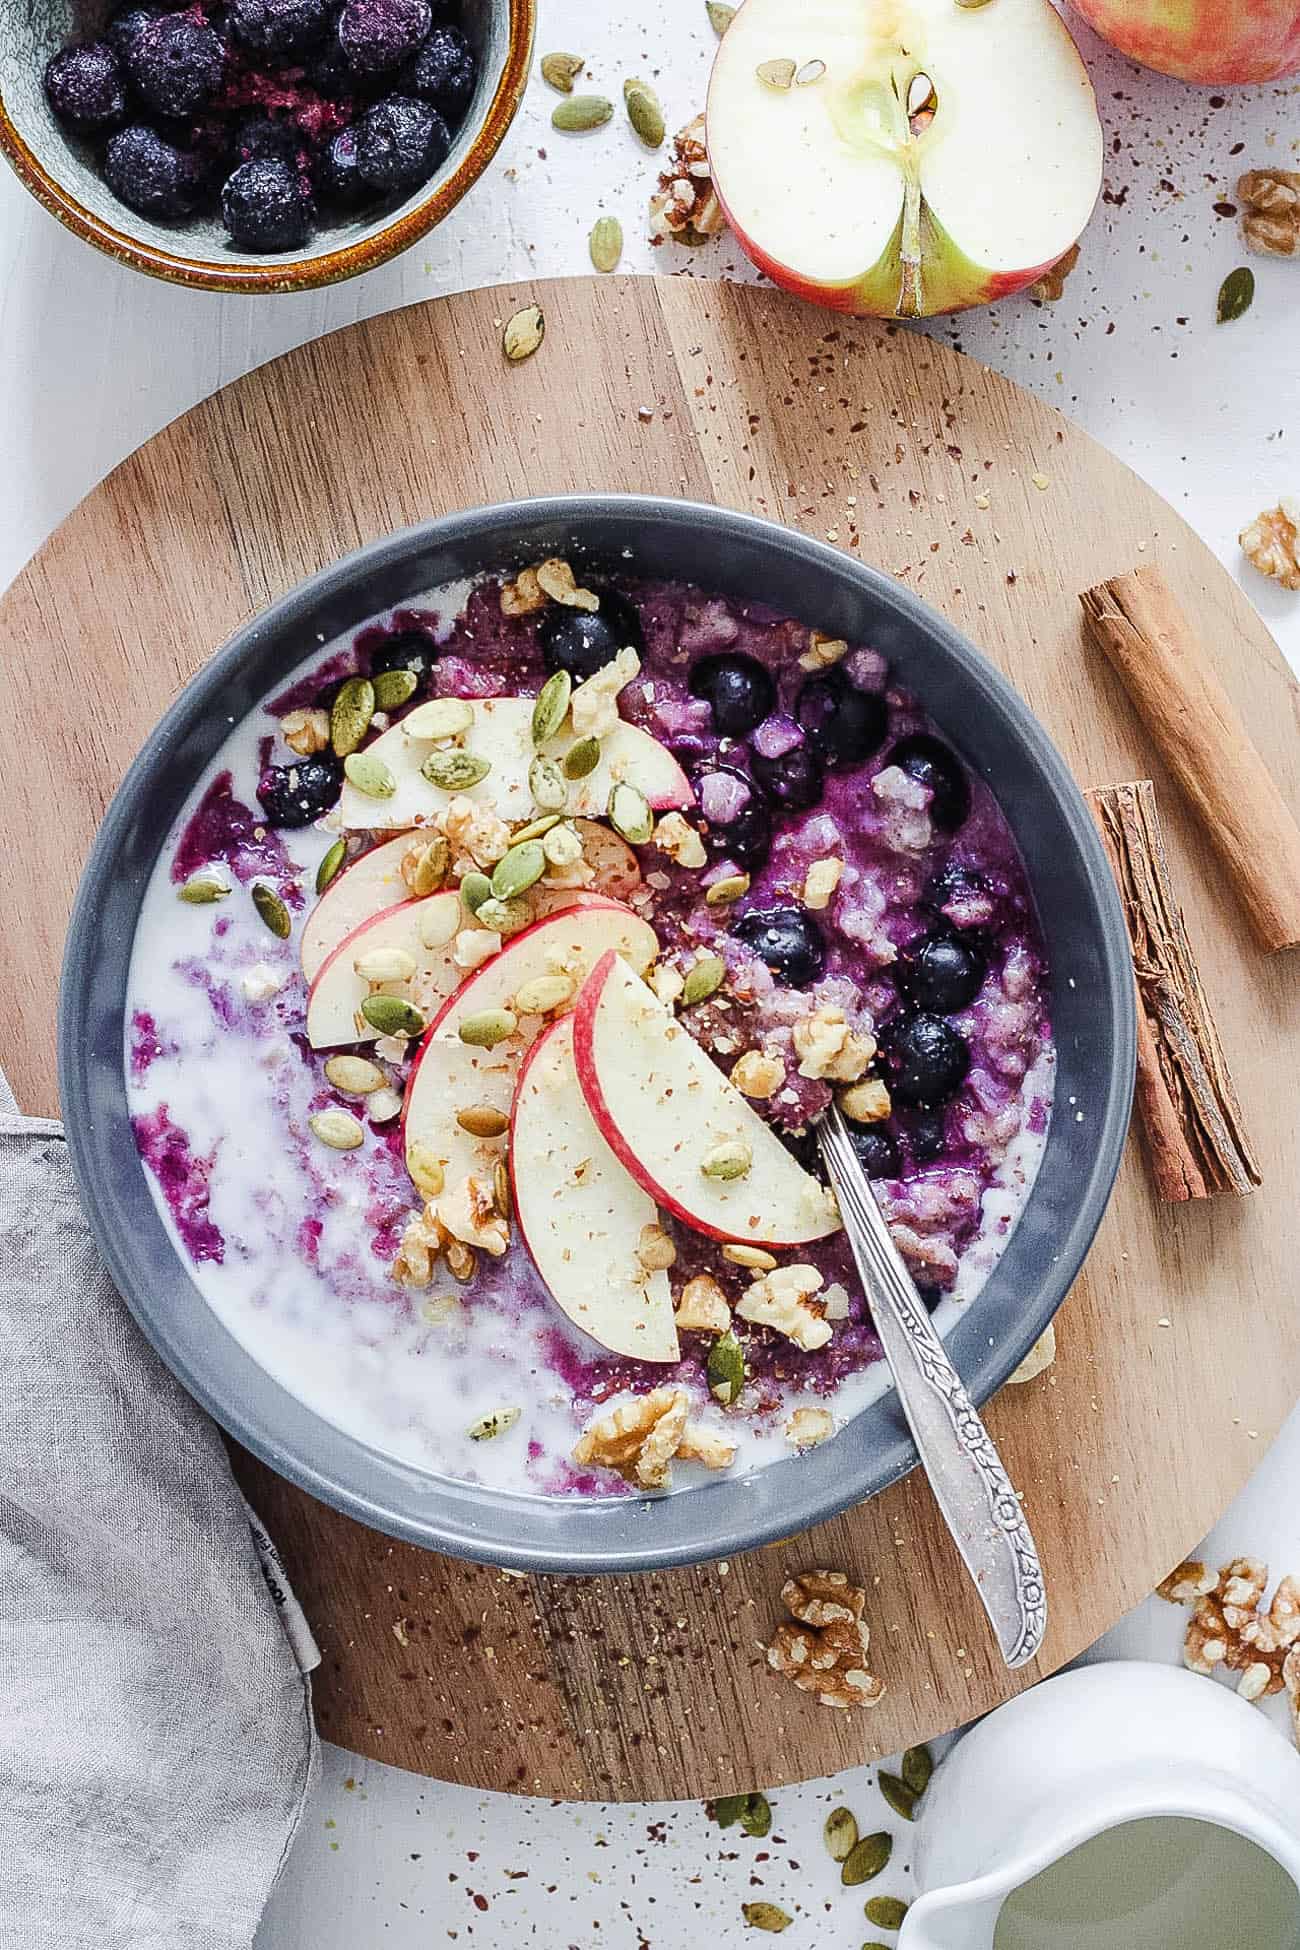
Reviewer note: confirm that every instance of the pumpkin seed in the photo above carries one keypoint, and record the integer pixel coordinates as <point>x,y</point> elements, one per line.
<point>606,244</point>
<point>355,1076</point>
<point>840,1831</point>
<point>580,113</point>
<point>429,873</point>
<point>385,965</point>
<point>337,1128</point>
<point>523,334</point>
<point>644,112</point>
<point>203,887</point>
<point>501,1187</point>
<point>369,775</point>
<point>330,865</point>
<point>475,888</point>
<point>456,770</point>
<point>810,72</point>
<point>703,978</point>
<point>562,847</point>
<point>441,717</point>
<point>629,813</point>
<point>438,922</point>
<point>552,706</point>
<point>353,708</point>
<point>757,1260</point>
<point>727,1809</point>
<point>383,1105</point>
<point>866,1859</point>
<point>720,16</point>
<point>272,910</point>
<point>393,1015</point>
<point>518,870</point>
<point>756,1816</point>
<point>875,1943</point>
<point>582,758</point>
<point>393,688</point>
<point>544,993</point>
<point>1236,294</point>
<point>725,1368</point>
<point>766,1916</point>
<point>546,783</point>
<point>723,892</point>
<point>425,1169</point>
<point>728,1160</point>
<point>536,829</point>
<point>886,1912</point>
<point>488,1027</point>
<point>776,74</point>
<point>916,1768</point>
<point>504,917</point>
<point>972,5</point>
<point>488,1426</point>
<point>899,1796</point>
<point>562,70</point>
<point>483,1121</point>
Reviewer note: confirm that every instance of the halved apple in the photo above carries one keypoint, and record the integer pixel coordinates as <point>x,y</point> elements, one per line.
<point>502,734</point>
<point>371,883</point>
<point>423,929</point>
<point>580,1213</point>
<point>663,1106</point>
<point>921,155</point>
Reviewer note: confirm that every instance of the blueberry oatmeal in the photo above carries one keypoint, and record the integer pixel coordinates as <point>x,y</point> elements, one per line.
<point>484,992</point>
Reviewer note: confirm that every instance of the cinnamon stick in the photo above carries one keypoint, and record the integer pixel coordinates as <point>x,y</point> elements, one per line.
<point>1149,640</point>
<point>1185,1098</point>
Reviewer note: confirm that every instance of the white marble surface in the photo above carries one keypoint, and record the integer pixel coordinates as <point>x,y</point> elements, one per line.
<point>95,359</point>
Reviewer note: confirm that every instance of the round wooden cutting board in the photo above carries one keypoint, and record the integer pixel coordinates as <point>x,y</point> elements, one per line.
<point>1179,1355</point>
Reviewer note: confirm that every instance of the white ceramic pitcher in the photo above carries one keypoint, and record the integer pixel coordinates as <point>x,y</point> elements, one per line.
<point>1080,1754</point>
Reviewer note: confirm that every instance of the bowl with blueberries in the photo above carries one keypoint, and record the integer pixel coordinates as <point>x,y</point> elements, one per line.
<point>258,145</point>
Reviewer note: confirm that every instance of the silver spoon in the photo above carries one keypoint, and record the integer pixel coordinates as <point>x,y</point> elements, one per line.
<point>966,1473</point>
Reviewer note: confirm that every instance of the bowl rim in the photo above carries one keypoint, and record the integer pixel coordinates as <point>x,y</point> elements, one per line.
<point>302,273</point>
<point>526,1532</point>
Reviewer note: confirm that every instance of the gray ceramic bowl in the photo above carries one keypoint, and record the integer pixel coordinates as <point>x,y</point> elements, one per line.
<point>1093,1013</point>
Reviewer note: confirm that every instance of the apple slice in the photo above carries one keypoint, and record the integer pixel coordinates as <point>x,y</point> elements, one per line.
<point>580,1214</point>
<point>372,882</point>
<point>917,159</point>
<point>502,734</point>
<point>663,1105</point>
<point>466,1078</point>
<point>423,929</point>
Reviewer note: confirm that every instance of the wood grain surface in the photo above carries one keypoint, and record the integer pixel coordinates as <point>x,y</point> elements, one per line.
<point>1179,1354</point>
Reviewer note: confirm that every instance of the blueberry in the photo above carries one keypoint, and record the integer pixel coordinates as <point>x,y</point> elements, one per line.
<point>925,1135</point>
<point>84,87</point>
<point>126,26</point>
<point>405,650</point>
<point>326,69</point>
<point>940,973</point>
<point>926,1057</point>
<point>794,780</point>
<point>739,691</point>
<point>149,175</point>
<point>266,206</point>
<point>259,138</point>
<point>878,1152</point>
<point>845,724</point>
<point>443,73</point>
<point>378,35</point>
<point>400,142</point>
<point>746,837</point>
<point>581,641</point>
<point>930,1297</point>
<point>277,26</point>
<point>338,174</point>
<point>788,940</point>
<point>176,62</point>
<point>294,795</point>
<point>936,765</point>
<point>962,896</point>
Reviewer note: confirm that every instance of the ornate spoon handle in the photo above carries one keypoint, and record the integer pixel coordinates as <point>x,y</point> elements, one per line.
<point>966,1474</point>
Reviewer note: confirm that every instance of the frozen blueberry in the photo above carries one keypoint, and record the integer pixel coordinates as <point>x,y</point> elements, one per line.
<point>326,69</point>
<point>266,206</point>
<point>400,143</point>
<point>788,940</point>
<point>925,1134</point>
<point>940,973</point>
<point>926,1058</point>
<point>930,1296</point>
<point>739,692</point>
<point>794,780</point>
<point>932,763</point>
<point>340,178</point>
<point>738,820</point>
<point>294,795</point>
<point>405,650</point>
<point>962,896</point>
<point>277,26</point>
<point>176,63</point>
<point>84,87</point>
<point>378,35</point>
<point>126,26</point>
<point>878,1152</point>
<point>259,138</point>
<point>846,725</point>
<point>581,641</point>
<point>149,175</point>
<point>443,72</point>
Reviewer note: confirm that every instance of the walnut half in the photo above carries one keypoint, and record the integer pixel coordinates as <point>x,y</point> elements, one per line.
<point>1272,542</point>
<point>1270,217</point>
<point>1230,1626</point>
<point>825,1650</point>
<point>640,1438</point>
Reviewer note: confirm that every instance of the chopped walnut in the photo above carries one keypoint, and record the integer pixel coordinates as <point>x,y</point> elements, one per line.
<point>469,1212</point>
<point>809,1426</point>
<point>1270,217</point>
<point>684,206</point>
<point>822,651</point>
<point>703,1307</point>
<point>783,1299</point>
<point>306,732</point>
<point>704,1445</point>
<point>1187,1582</point>
<point>524,596</point>
<point>820,882</point>
<point>640,1438</point>
<point>866,1102</point>
<point>827,1048</point>
<point>477,829</point>
<point>557,580</point>
<point>667,981</point>
<point>594,708</point>
<point>654,1249</point>
<point>423,1239</point>
<point>826,1651</point>
<point>1230,1626</point>
<point>756,1074</point>
<point>1291,1680</point>
<point>675,836</point>
<point>1272,542</point>
<point>1051,285</point>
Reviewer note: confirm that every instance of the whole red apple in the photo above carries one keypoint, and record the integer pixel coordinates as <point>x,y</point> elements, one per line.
<point>1216,42</point>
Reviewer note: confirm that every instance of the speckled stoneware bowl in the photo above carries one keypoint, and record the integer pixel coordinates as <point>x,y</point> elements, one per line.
<point>1092,1015</point>
<point>60,170</point>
